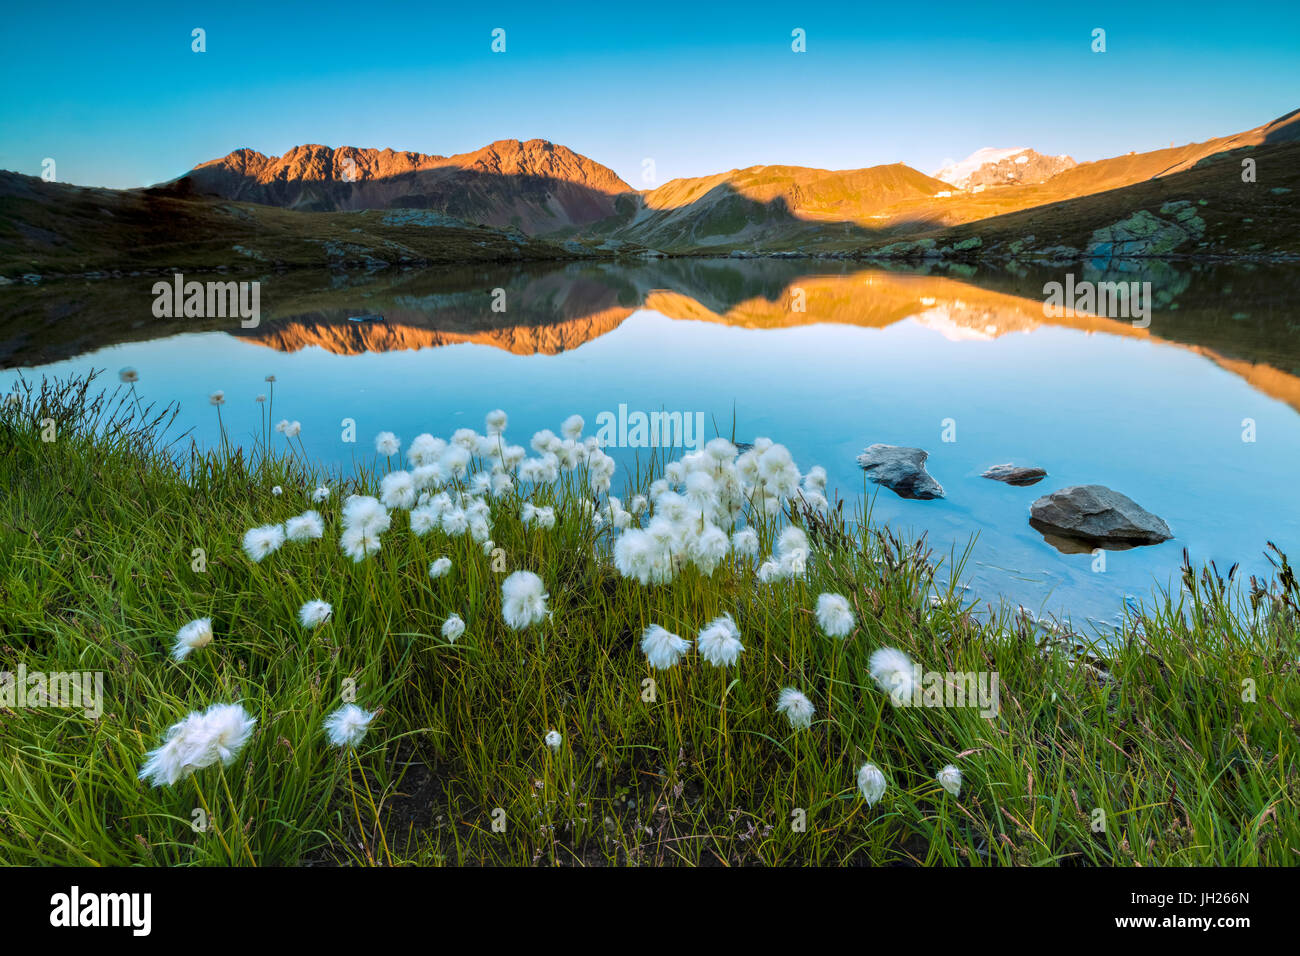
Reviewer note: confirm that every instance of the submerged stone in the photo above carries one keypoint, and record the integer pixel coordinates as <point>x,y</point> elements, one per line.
<point>901,470</point>
<point>1098,514</point>
<point>1016,474</point>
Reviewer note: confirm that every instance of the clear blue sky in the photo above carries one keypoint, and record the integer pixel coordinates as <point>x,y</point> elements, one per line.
<point>119,99</point>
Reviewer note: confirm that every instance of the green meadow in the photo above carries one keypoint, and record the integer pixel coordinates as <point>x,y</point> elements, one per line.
<point>1173,743</point>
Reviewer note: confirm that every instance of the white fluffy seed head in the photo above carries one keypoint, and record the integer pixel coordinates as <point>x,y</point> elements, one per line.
<point>440,568</point>
<point>453,627</point>
<point>950,779</point>
<point>397,490</point>
<point>895,674</point>
<point>314,613</point>
<point>307,526</point>
<point>195,634</point>
<point>366,513</point>
<point>359,542</point>
<point>791,539</point>
<point>572,427</point>
<point>386,444</point>
<point>796,707</point>
<point>523,600</point>
<point>198,741</point>
<point>347,726</point>
<point>834,615</point>
<point>262,541</point>
<point>425,450</point>
<point>553,740</point>
<point>719,642</point>
<point>872,783</point>
<point>745,542</point>
<point>662,648</point>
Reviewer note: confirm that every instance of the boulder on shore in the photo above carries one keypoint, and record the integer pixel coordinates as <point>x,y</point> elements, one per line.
<point>1097,513</point>
<point>900,469</point>
<point>1016,474</point>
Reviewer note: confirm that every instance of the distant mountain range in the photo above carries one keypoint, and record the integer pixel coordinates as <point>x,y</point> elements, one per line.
<point>544,189</point>
<point>367,208</point>
<point>534,186</point>
<point>1003,167</point>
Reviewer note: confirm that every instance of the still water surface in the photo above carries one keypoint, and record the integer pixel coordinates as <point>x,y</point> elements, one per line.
<point>874,356</point>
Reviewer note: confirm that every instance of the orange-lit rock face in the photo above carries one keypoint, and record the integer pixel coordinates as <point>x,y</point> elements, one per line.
<point>553,314</point>
<point>534,185</point>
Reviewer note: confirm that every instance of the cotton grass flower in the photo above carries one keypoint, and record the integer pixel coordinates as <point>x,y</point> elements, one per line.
<point>179,754</point>
<point>496,422</point>
<point>217,398</point>
<point>359,543</point>
<point>365,512</point>
<point>895,674</point>
<point>195,634</point>
<point>572,427</point>
<point>745,542</point>
<point>708,548</point>
<point>662,648</point>
<point>523,600</point>
<point>314,613</point>
<point>262,541</point>
<point>440,568</point>
<point>553,740</point>
<point>719,642</point>
<point>950,779</point>
<point>834,615</point>
<point>128,375</point>
<point>796,707</point>
<point>397,490</point>
<point>872,783</point>
<point>455,461</point>
<point>308,526</point>
<point>277,491</point>
<point>792,540</point>
<point>198,741</point>
<point>229,727</point>
<point>387,444</point>
<point>425,450</point>
<point>453,627</point>
<point>347,726</point>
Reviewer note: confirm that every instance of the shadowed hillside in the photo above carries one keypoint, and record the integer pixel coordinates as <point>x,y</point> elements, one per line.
<point>51,229</point>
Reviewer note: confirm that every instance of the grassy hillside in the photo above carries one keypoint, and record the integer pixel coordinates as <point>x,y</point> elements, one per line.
<point>769,204</point>
<point>1204,211</point>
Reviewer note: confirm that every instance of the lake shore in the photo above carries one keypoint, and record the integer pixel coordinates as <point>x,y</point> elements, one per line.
<point>1176,746</point>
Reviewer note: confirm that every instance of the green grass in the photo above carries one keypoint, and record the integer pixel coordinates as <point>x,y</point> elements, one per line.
<point>97,532</point>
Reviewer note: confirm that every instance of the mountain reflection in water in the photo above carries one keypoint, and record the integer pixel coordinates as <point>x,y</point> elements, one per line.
<point>824,356</point>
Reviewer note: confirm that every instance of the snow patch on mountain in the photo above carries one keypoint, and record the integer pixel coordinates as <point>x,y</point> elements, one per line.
<point>960,173</point>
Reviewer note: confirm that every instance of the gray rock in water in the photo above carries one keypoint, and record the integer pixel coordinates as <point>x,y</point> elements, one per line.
<point>901,470</point>
<point>1097,513</point>
<point>1016,474</point>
